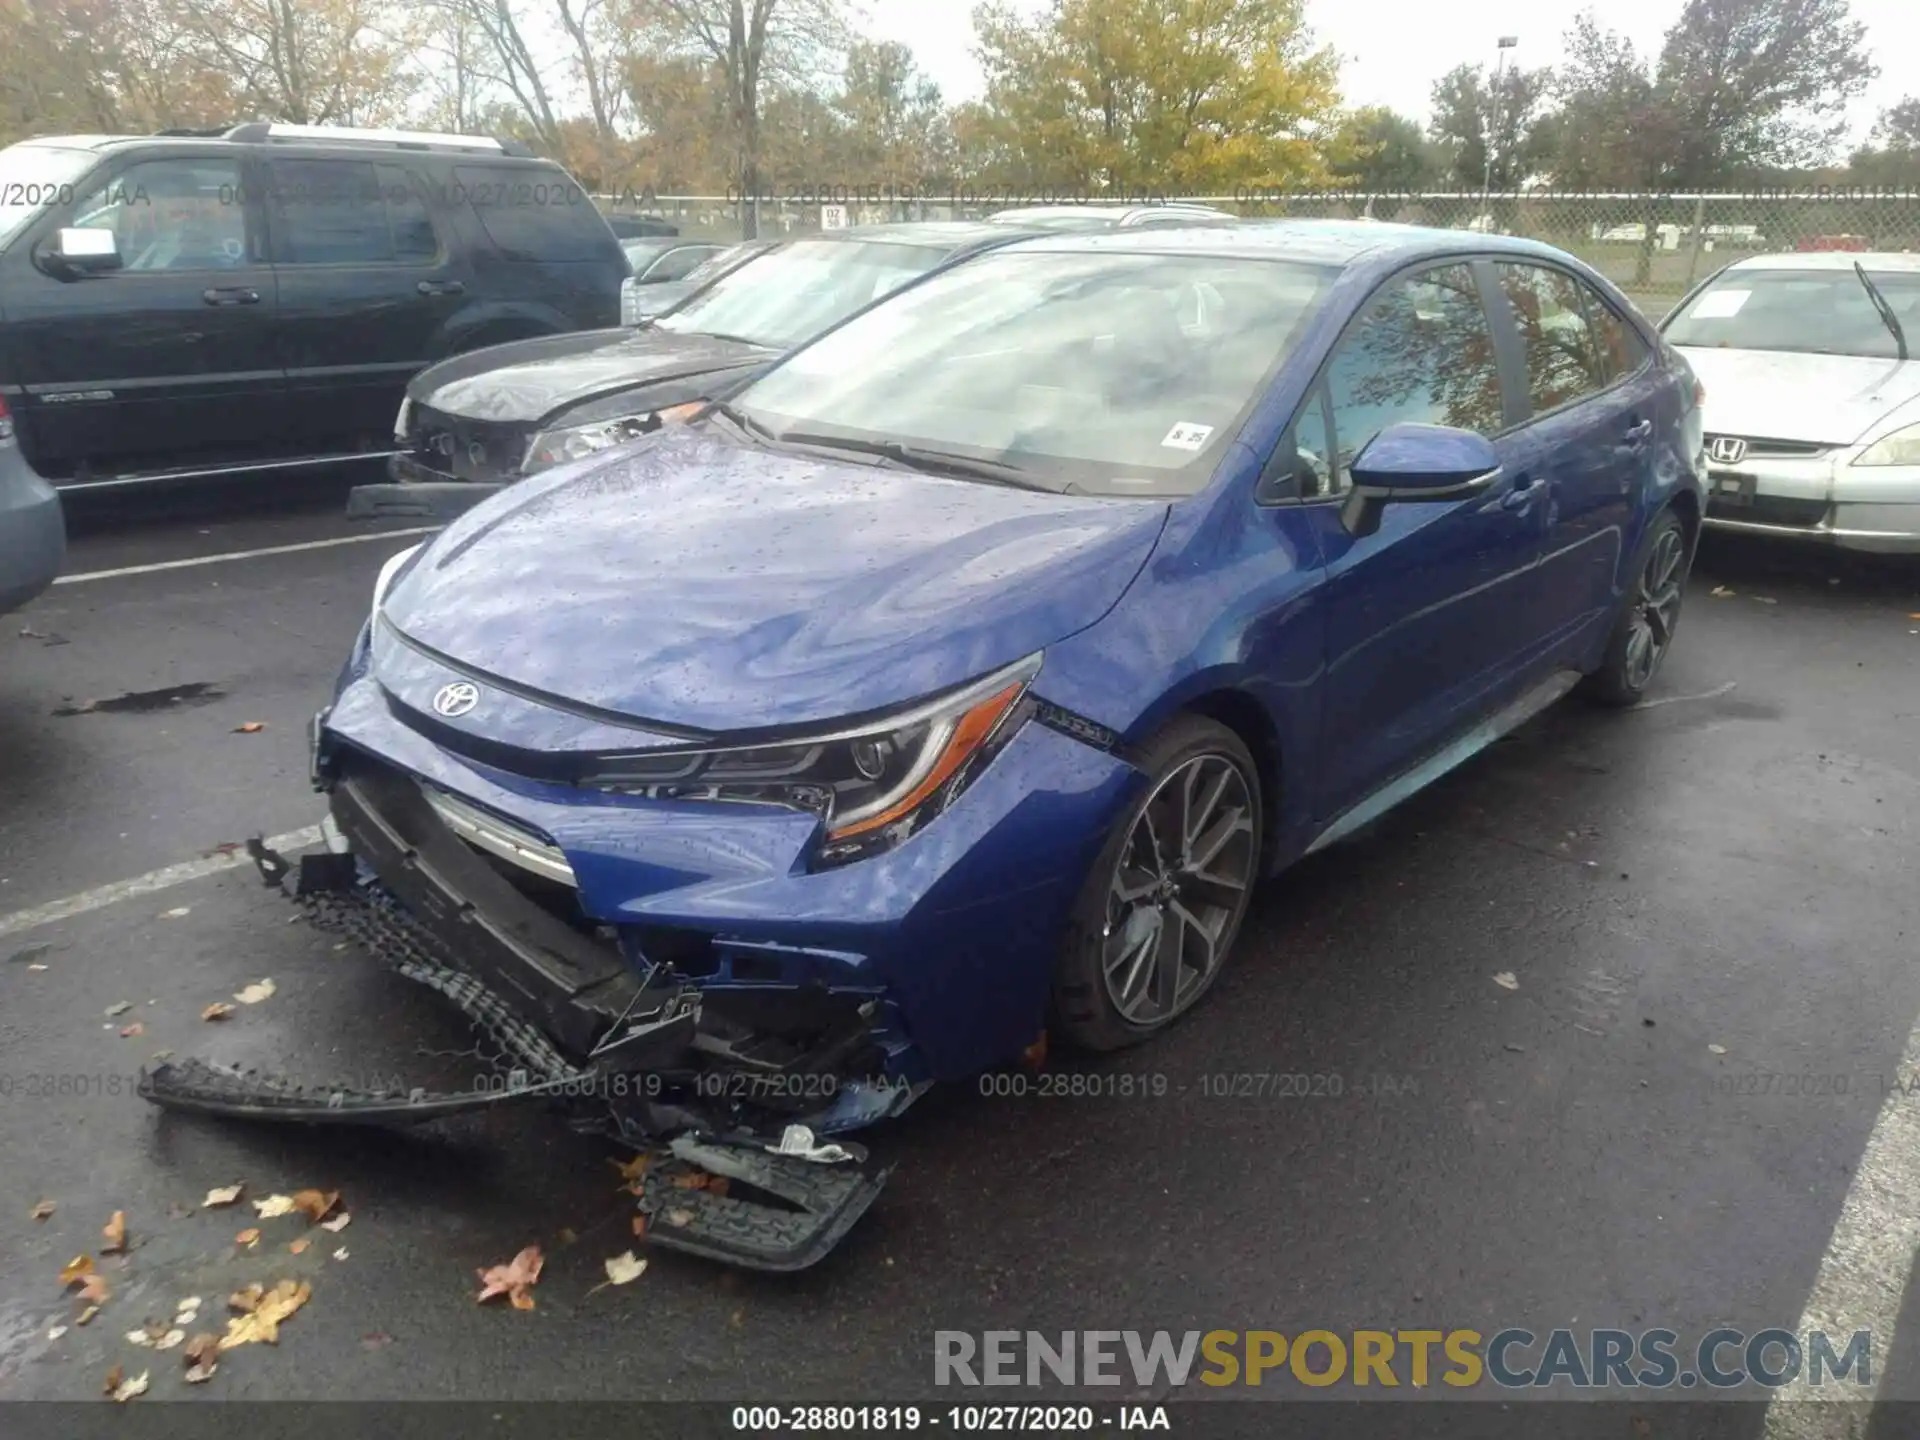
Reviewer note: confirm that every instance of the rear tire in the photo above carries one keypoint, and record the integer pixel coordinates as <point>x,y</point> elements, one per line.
<point>1649,614</point>
<point>1162,905</point>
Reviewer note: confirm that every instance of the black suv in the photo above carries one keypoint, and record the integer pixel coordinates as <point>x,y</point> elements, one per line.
<point>256,299</point>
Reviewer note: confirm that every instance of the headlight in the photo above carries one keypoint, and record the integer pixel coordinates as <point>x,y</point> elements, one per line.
<point>1902,447</point>
<point>389,572</point>
<point>404,419</point>
<point>871,786</point>
<point>576,442</point>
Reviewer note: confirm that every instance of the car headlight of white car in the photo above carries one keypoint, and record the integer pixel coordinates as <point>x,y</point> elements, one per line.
<point>576,442</point>
<point>1902,447</point>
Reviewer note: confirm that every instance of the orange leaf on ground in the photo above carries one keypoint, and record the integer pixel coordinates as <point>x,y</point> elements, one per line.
<point>93,1289</point>
<point>252,727</point>
<point>262,1323</point>
<point>298,1247</point>
<point>202,1357</point>
<point>219,1010</point>
<point>248,1299</point>
<point>247,1238</point>
<point>43,1210</point>
<point>515,1279</point>
<point>115,1232</point>
<point>75,1269</point>
<point>316,1205</point>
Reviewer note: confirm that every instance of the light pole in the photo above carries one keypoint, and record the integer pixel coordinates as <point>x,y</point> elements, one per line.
<point>1506,43</point>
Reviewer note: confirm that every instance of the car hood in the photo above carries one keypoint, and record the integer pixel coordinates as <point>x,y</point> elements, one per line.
<point>1817,399</point>
<point>701,584</point>
<point>528,381</point>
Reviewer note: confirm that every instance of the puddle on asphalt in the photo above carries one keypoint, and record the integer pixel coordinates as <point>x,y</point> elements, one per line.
<point>147,702</point>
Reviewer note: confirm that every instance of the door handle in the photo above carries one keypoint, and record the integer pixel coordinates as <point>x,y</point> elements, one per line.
<point>1637,433</point>
<point>231,295</point>
<point>1520,497</point>
<point>441,287</point>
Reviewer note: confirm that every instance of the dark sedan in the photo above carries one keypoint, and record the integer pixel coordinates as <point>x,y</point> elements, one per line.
<point>485,419</point>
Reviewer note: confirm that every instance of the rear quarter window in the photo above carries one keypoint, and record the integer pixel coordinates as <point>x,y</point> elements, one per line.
<point>535,213</point>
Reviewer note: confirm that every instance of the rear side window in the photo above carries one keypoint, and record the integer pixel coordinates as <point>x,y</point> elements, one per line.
<point>347,212</point>
<point>1563,360</point>
<point>534,213</point>
<point>1620,344</point>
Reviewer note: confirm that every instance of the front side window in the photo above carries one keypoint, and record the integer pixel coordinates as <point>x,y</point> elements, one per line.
<point>1818,312</point>
<point>1422,352</point>
<point>1073,367</point>
<point>791,294</point>
<point>1563,362</point>
<point>171,215</point>
<point>34,178</point>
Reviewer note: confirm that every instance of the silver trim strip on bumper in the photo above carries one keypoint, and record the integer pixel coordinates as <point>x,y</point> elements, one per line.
<point>490,833</point>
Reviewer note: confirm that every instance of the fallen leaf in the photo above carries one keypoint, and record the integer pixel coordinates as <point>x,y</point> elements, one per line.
<point>36,966</point>
<point>136,1028</point>
<point>375,1339</point>
<point>1765,600</point>
<point>141,1337</point>
<point>299,1247</point>
<point>337,1223</point>
<point>56,1332</point>
<point>252,727</point>
<point>170,1339</point>
<point>679,1216</point>
<point>633,1171</point>
<point>1722,591</point>
<point>1717,1049</point>
<point>314,1204</point>
<point>515,1279</point>
<point>1506,981</point>
<point>219,1010</point>
<point>87,1314</point>
<point>256,992</point>
<point>127,1389</point>
<point>176,912</point>
<point>696,1180</point>
<point>113,1381</point>
<point>640,1226</point>
<point>247,1299</point>
<point>1035,1055</point>
<point>225,1195</point>
<point>43,1210</point>
<point>341,1253</point>
<point>624,1269</point>
<point>93,1288</point>
<point>115,1234</point>
<point>75,1269</point>
<point>203,1358</point>
<point>119,1007</point>
<point>568,1235</point>
<point>274,1206</point>
<point>262,1323</point>
<point>248,1238</point>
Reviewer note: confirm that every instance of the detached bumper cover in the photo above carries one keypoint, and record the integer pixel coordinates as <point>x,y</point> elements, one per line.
<point>33,533</point>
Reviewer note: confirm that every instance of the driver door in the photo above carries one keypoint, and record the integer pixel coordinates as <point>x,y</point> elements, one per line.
<point>167,362</point>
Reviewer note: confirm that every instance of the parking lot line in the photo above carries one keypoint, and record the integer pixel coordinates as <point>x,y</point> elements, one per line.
<point>1863,1275</point>
<point>242,555</point>
<point>147,884</point>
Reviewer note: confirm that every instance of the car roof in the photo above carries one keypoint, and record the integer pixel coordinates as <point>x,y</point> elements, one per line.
<point>952,233</point>
<point>1831,260</point>
<point>1324,242</point>
<point>1119,211</point>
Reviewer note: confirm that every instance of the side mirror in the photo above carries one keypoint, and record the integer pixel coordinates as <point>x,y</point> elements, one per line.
<point>83,251</point>
<point>1414,463</point>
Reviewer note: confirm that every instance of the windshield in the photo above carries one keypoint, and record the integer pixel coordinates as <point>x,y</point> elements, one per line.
<point>1111,374</point>
<point>639,252</point>
<point>1824,312</point>
<point>33,177</point>
<point>791,294</point>
<point>716,264</point>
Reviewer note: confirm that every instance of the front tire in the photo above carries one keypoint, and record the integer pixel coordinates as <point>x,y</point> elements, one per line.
<point>1163,903</point>
<point>1643,631</point>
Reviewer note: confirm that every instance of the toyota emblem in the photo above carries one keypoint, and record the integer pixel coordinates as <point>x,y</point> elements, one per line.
<point>1726,450</point>
<point>456,699</point>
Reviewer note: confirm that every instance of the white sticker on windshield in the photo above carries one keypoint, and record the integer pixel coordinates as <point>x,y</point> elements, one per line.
<point>1186,436</point>
<point>1719,304</point>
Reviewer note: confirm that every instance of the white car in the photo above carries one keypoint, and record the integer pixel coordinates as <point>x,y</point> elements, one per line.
<point>1111,217</point>
<point>1811,364</point>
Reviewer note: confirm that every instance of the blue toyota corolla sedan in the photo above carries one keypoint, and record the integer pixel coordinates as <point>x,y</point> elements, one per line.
<point>959,679</point>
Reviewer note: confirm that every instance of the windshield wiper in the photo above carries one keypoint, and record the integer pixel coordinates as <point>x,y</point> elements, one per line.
<point>1886,311</point>
<point>743,422</point>
<point>916,457</point>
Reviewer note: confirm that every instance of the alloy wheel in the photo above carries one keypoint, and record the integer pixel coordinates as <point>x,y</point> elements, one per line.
<point>1178,889</point>
<point>1656,607</point>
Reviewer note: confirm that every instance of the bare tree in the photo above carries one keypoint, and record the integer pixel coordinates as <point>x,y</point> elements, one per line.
<point>311,62</point>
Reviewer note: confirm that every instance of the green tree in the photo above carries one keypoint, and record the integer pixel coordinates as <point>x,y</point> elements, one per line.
<point>1379,151</point>
<point>1470,109</point>
<point>897,128</point>
<point>1157,96</point>
<point>1891,155</point>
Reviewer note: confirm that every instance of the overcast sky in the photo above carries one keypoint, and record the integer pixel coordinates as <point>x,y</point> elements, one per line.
<point>1393,50</point>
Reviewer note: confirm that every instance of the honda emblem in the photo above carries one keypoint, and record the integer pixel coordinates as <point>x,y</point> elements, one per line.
<point>1726,450</point>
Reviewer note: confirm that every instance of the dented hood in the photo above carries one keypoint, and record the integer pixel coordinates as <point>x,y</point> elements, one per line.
<point>528,381</point>
<point>697,582</point>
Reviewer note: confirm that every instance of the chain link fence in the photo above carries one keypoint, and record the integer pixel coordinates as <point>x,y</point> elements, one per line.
<point>1654,246</point>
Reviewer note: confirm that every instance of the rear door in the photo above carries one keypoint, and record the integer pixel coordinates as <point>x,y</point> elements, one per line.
<point>169,361</point>
<point>1426,618</point>
<point>1589,435</point>
<point>367,286</point>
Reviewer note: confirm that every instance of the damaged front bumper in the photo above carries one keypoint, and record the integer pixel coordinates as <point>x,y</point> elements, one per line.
<point>634,1053</point>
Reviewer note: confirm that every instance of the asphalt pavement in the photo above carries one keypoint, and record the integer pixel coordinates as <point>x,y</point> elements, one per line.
<point>1679,901</point>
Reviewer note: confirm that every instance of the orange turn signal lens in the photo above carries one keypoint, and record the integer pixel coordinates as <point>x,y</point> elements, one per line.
<point>676,413</point>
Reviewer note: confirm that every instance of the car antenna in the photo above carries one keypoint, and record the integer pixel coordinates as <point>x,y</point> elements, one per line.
<point>1886,310</point>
